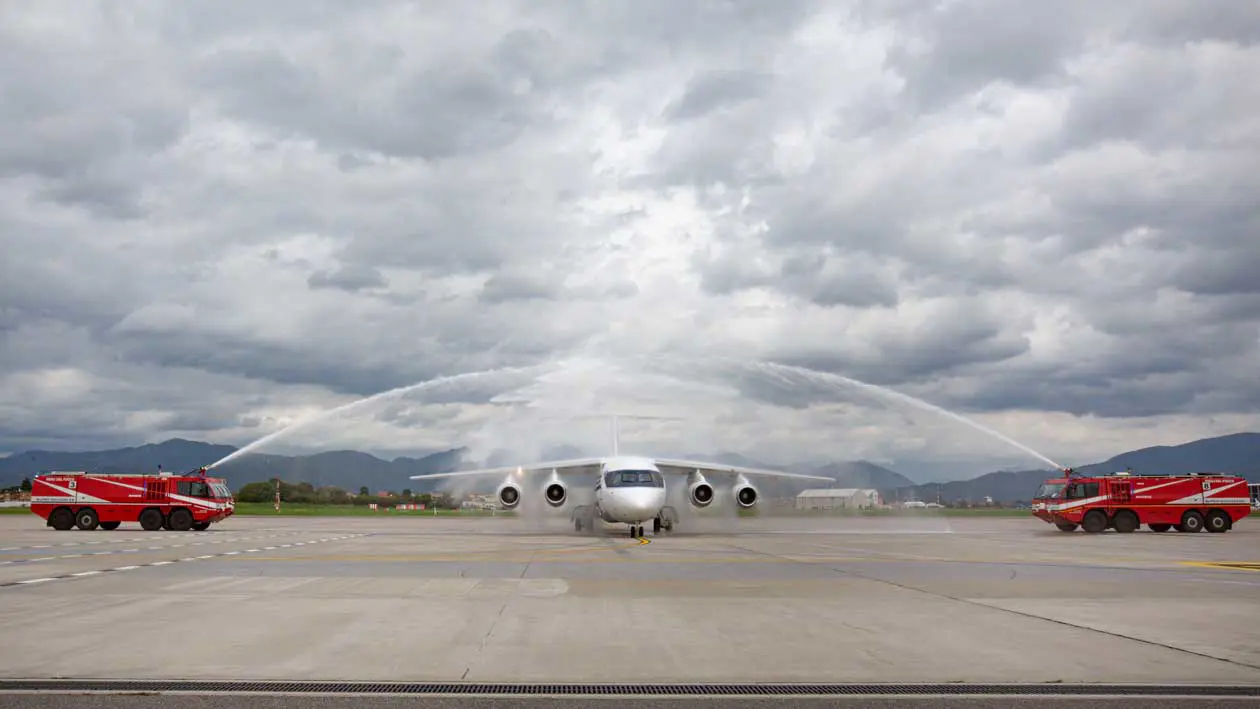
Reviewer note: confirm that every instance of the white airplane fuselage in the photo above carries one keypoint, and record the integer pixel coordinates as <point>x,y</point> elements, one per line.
<point>630,490</point>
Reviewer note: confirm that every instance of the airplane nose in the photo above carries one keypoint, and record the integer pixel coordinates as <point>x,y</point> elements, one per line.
<point>641,504</point>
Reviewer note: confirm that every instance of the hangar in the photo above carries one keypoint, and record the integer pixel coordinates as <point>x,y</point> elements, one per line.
<point>851,498</point>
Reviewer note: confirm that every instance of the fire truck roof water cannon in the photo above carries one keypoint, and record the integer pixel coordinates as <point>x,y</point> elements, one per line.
<point>1124,501</point>
<point>89,501</point>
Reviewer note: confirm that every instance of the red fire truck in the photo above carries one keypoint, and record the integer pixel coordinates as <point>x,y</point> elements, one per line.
<point>1123,501</point>
<point>164,501</point>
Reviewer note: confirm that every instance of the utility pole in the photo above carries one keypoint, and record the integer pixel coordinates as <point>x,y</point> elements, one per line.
<point>277,505</point>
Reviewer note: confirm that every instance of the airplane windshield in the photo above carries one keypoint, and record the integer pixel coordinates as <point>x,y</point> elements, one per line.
<point>633,478</point>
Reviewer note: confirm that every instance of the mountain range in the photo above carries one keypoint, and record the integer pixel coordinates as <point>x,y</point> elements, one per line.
<point>1237,454</point>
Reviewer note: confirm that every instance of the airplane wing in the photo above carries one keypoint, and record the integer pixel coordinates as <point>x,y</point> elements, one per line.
<point>576,466</point>
<point>684,467</point>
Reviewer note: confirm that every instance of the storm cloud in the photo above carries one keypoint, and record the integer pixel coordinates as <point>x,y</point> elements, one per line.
<point>218,217</point>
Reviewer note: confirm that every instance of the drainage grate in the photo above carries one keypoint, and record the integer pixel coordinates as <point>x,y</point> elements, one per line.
<point>695,689</point>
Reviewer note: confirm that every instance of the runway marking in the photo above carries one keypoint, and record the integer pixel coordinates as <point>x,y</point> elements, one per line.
<point>83,574</point>
<point>125,551</point>
<point>149,538</point>
<point>1232,565</point>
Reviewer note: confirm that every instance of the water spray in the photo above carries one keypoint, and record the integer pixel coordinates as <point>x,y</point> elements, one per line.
<point>543,405</point>
<point>382,396</point>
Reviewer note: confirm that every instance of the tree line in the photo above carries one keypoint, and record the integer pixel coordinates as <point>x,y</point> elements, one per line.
<point>306,493</point>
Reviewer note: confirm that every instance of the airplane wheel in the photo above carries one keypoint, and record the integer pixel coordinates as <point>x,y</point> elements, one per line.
<point>656,526</point>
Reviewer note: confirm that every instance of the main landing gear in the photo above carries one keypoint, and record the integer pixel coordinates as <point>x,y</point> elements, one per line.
<point>584,520</point>
<point>658,524</point>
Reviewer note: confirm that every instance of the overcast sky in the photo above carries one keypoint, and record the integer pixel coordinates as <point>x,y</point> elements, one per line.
<point>217,217</point>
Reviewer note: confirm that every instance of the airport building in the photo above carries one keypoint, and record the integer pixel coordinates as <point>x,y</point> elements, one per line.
<point>851,498</point>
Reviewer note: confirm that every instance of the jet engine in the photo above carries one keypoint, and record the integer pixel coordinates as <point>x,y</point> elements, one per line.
<point>744,492</point>
<point>555,493</point>
<point>509,495</point>
<point>699,491</point>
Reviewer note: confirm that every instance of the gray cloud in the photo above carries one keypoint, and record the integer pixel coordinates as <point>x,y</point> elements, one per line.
<point>353,278</point>
<point>711,91</point>
<point>216,217</point>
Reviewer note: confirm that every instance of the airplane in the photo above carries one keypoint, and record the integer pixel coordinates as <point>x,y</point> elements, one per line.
<point>628,490</point>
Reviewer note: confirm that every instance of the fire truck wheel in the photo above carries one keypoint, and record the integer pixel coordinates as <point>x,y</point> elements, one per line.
<point>61,519</point>
<point>201,526</point>
<point>110,526</point>
<point>86,519</point>
<point>1191,522</point>
<point>1125,521</point>
<point>1065,526</point>
<point>1095,521</point>
<point>181,520</point>
<point>1218,521</point>
<point>151,520</point>
<point>1160,527</point>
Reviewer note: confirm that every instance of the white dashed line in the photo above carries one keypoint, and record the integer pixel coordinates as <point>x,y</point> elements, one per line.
<point>82,574</point>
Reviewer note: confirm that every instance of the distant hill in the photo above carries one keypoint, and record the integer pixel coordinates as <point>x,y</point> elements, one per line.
<point>174,454</point>
<point>346,469</point>
<point>860,473</point>
<point>1236,454</point>
<point>353,469</point>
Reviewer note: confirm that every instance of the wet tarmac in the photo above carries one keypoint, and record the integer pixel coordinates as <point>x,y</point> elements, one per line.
<point>932,599</point>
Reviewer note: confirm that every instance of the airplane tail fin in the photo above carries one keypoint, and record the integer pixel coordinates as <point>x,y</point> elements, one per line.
<point>615,420</point>
<point>615,435</point>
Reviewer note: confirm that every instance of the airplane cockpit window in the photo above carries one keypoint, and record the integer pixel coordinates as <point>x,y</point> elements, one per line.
<point>633,478</point>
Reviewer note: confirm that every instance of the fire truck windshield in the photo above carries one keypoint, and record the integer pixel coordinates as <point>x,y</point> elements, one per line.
<point>1049,490</point>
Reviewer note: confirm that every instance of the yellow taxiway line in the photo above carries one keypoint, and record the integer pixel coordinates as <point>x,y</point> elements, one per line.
<point>1232,565</point>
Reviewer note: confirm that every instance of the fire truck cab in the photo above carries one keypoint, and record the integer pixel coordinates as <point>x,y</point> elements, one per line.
<point>1124,501</point>
<point>162,501</point>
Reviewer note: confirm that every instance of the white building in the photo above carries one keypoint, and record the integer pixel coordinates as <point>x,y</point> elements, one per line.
<point>851,498</point>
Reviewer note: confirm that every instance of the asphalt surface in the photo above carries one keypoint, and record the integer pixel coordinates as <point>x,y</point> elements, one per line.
<point>758,600</point>
<point>65,701</point>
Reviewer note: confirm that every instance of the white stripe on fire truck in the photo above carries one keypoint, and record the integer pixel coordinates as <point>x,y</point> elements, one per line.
<point>1204,495</point>
<point>119,483</point>
<point>1076,503</point>
<point>83,574</point>
<point>78,496</point>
